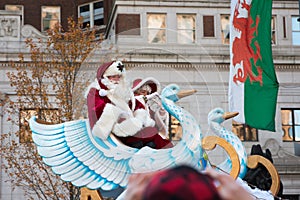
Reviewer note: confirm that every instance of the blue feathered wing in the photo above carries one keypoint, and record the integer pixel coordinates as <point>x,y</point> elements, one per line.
<point>78,157</point>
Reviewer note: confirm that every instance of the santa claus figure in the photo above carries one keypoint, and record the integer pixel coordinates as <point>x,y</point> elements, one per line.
<point>112,108</point>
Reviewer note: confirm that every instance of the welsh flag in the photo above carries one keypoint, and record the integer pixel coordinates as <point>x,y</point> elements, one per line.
<point>253,85</point>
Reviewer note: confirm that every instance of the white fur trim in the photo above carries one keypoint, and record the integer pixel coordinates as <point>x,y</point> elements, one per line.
<point>141,99</point>
<point>94,84</point>
<point>132,98</point>
<point>128,127</point>
<point>104,125</point>
<point>113,69</point>
<point>102,92</point>
<point>141,114</point>
<point>148,80</point>
<point>149,122</point>
<point>144,116</point>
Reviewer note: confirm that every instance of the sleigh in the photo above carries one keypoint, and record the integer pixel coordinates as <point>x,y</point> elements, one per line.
<point>74,153</point>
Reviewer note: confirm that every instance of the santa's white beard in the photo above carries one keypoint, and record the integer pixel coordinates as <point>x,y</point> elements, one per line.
<point>121,91</point>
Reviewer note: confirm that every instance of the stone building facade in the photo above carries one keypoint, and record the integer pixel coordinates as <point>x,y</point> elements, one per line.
<point>44,14</point>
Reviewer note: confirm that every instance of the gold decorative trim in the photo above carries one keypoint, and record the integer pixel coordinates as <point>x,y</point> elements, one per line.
<point>87,194</point>
<point>253,162</point>
<point>210,142</point>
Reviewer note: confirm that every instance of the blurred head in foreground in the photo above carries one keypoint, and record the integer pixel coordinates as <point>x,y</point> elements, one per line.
<point>181,183</point>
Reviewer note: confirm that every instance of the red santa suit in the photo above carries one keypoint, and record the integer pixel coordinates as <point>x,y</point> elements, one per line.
<point>113,109</point>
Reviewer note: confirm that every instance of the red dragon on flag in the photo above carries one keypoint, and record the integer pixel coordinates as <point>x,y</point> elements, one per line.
<point>243,53</point>
<point>253,86</point>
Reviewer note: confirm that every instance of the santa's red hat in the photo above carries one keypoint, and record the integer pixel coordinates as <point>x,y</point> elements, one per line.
<point>110,69</point>
<point>152,82</point>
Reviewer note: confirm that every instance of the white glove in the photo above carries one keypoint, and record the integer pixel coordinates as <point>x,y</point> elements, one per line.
<point>152,95</point>
<point>144,117</point>
<point>155,104</point>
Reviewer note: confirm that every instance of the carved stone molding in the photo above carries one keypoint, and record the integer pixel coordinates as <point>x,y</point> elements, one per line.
<point>29,31</point>
<point>272,145</point>
<point>278,151</point>
<point>9,28</point>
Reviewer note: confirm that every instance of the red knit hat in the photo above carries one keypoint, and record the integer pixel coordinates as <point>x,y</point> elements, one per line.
<point>152,82</point>
<point>181,183</point>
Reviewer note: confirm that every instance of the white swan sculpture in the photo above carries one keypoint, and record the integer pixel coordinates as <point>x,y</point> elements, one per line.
<point>87,161</point>
<point>215,118</point>
<point>78,157</point>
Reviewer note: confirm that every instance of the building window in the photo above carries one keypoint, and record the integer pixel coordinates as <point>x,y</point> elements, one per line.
<point>175,129</point>
<point>290,124</point>
<point>92,14</point>
<point>296,30</point>
<point>16,8</point>
<point>156,28</point>
<point>208,26</point>
<point>273,31</point>
<point>50,17</point>
<point>47,115</point>
<point>225,28</point>
<point>186,29</point>
<point>128,24</point>
<point>244,131</point>
<point>284,27</point>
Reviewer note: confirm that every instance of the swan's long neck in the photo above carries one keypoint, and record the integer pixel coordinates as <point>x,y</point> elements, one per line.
<point>218,129</point>
<point>189,147</point>
<point>171,108</point>
<point>186,120</point>
<point>231,138</point>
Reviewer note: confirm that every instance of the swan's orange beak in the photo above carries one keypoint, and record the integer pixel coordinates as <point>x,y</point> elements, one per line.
<point>185,93</point>
<point>228,115</point>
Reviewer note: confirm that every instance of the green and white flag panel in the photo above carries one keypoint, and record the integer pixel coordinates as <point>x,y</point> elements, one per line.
<point>253,85</point>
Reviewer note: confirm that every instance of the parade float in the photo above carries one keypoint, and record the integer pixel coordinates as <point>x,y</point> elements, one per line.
<point>88,162</point>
